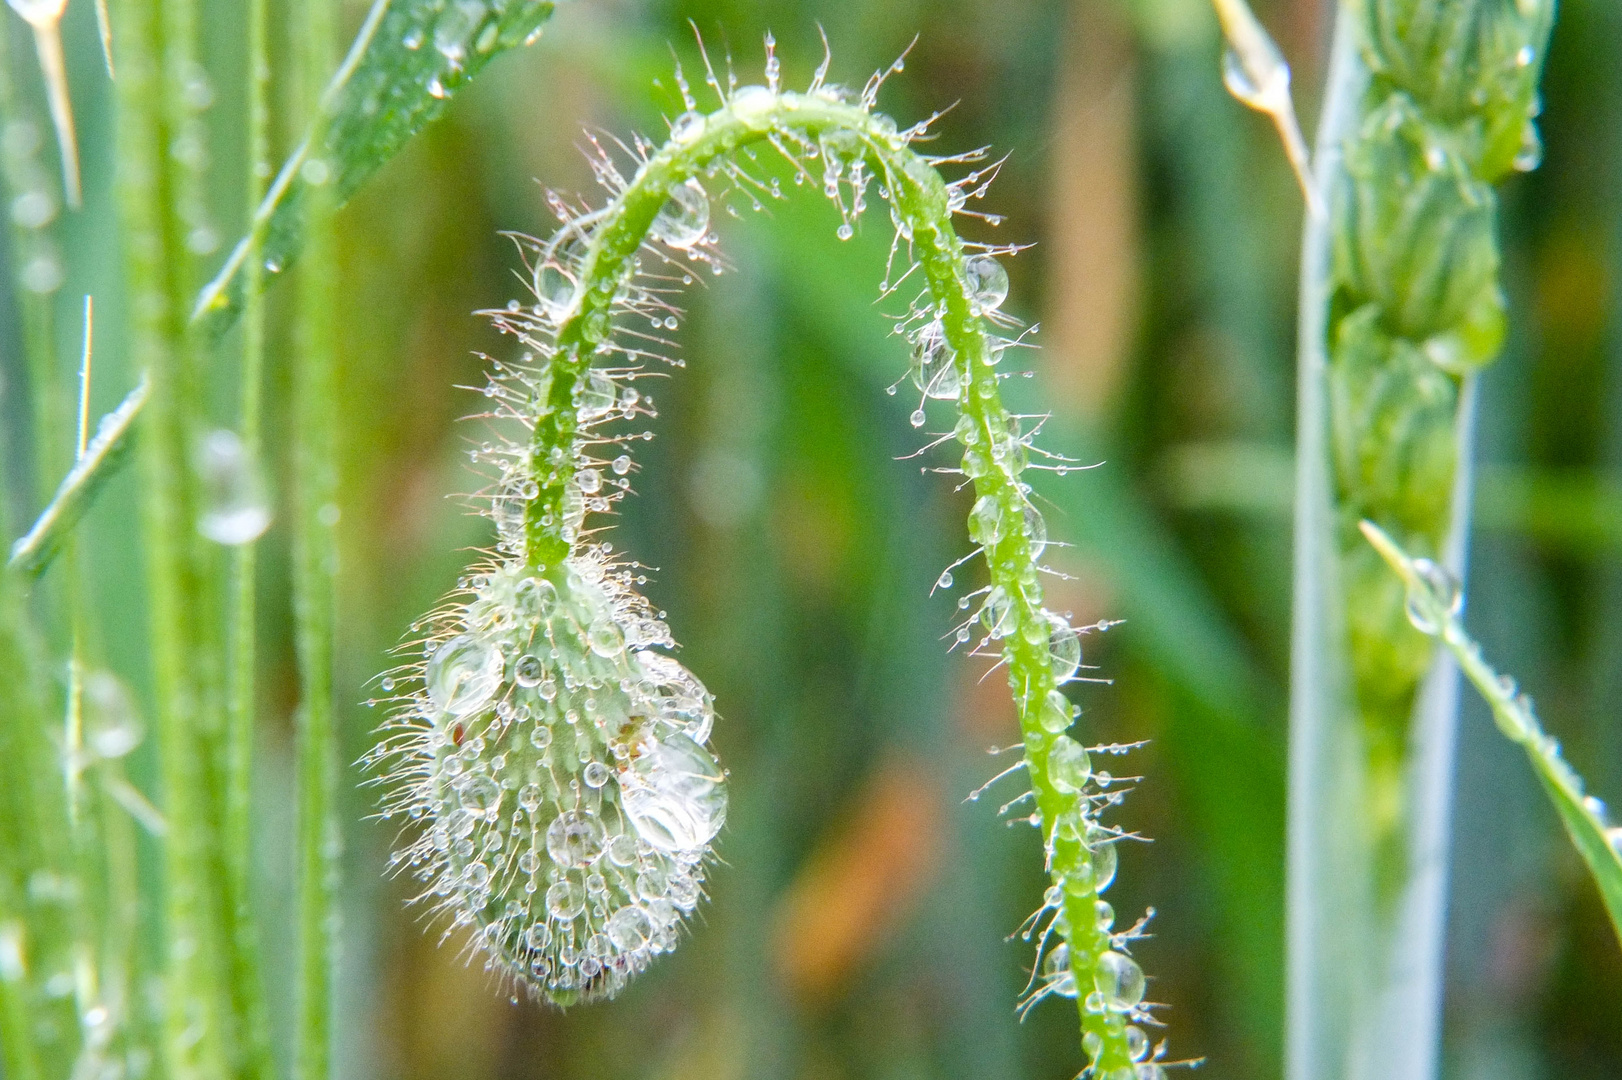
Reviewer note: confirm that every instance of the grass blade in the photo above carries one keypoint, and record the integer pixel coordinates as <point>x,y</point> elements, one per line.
<point>1434,605</point>
<point>382,94</point>
<point>101,459</point>
<point>406,63</point>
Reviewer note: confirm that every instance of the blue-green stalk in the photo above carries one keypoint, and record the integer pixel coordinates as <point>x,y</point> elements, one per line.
<point>1429,103</point>
<point>315,556</point>
<point>586,277</point>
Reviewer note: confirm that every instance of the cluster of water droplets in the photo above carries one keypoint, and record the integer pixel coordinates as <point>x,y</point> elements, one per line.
<point>561,776</point>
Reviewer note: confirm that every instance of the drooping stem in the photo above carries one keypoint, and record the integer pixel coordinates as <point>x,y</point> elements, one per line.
<point>315,557</point>
<point>994,457</point>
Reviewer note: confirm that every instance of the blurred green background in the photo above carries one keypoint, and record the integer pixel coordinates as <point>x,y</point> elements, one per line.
<point>857,927</point>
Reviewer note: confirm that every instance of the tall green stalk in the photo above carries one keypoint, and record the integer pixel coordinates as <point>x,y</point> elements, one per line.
<point>242,608</point>
<point>1428,103</point>
<point>315,561</point>
<point>151,38</point>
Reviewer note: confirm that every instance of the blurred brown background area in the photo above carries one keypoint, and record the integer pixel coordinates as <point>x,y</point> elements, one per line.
<point>858,925</point>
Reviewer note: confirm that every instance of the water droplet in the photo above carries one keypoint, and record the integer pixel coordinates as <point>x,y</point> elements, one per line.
<point>1614,835</point>
<point>597,395</point>
<point>1068,767</point>
<point>1524,56</point>
<point>917,418</point>
<point>1149,1070</point>
<point>629,928</point>
<point>554,290</point>
<point>944,581</point>
<point>574,839</point>
<point>997,613</point>
<point>236,509</point>
<point>845,231</point>
<point>463,675</point>
<point>566,900</point>
<point>605,638</point>
<point>1064,649</point>
<point>621,465</point>
<point>752,105</point>
<point>1119,981</point>
<point>1105,861</point>
<point>541,736</point>
<point>33,209</point>
<point>987,282</point>
<point>1056,971</point>
<point>986,521</point>
<point>480,794</point>
<point>595,774</point>
<point>1036,531</point>
<point>687,128</point>
<point>538,936</point>
<point>413,39</point>
<point>935,369</point>
<point>685,216</point>
<point>1530,154</point>
<point>1103,915</point>
<point>1057,713</point>
<point>528,670</point>
<point>436,89</point>
<point>675,795</point>
<point>1434,599</point>
<point>112,727</point>
<point>1260,79</point>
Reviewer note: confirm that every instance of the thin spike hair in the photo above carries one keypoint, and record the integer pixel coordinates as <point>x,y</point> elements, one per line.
<point>548,755</point>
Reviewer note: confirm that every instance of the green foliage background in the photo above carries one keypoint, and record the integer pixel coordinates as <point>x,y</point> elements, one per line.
<point>857,928</point>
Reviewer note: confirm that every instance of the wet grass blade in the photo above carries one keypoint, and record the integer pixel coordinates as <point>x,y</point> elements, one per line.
<point>101,459</point>
<point>1433,604</point>
<point>407,61</point>
<point>405,65</point>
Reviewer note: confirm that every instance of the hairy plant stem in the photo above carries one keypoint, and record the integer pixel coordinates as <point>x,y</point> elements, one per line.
<point>315,514</point>
<point>921,201</point>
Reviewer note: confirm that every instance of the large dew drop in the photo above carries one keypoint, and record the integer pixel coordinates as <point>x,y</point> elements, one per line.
<point>1119,981</point>
<point>463,675</point>
<point>685,216</point>
<point>675,795</point>
<point>236,509</point>
<point>1068,767</point>
<point>987,282</point>
<point>1437,593</point>
<point>1064,649</point>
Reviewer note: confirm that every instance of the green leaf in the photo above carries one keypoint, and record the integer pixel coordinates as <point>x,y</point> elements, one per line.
<point>101,459</point>
<point>1433,604</point>
<point>409,59</point>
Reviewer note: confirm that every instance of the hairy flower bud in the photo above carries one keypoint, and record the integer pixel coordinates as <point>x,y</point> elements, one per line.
<point>567,796</point>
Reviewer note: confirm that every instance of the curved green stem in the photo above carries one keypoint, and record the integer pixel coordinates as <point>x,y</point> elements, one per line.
<point>993,459</point>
